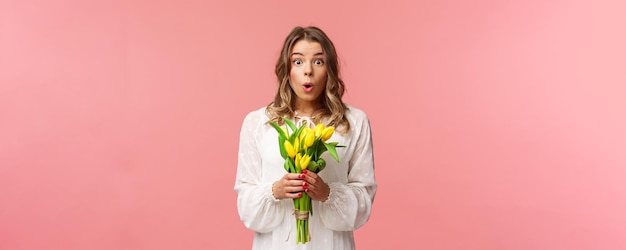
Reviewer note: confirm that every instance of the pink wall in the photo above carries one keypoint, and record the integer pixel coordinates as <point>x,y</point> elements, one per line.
<point>497,124</point>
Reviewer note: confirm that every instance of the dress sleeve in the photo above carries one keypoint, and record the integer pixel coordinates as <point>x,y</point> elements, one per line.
<point>257,207</point>
<point>349,205</point>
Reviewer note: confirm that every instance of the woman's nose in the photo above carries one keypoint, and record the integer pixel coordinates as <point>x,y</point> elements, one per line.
<point>308,69</point>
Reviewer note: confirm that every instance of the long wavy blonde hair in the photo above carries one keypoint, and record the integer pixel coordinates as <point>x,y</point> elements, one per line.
<point>333,109</point>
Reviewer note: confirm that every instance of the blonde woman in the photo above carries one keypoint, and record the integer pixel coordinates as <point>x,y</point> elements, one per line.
<point>309,90</point>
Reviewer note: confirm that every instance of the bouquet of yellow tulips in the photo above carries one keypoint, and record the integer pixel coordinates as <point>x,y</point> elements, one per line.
<point>301,147</point>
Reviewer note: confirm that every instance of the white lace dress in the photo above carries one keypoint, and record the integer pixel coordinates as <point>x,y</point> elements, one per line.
<point>351,181</point>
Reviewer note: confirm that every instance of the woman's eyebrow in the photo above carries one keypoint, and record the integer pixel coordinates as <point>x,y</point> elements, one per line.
<point>300,54</point>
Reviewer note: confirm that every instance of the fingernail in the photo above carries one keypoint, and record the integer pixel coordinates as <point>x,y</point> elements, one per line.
<point>300,194</point>
<point>306,190</point>
<point>304,184</point>
<point>301,176</point>
<point>304,171</point>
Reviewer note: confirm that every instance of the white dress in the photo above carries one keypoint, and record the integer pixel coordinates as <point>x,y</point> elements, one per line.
<point>352,184</point>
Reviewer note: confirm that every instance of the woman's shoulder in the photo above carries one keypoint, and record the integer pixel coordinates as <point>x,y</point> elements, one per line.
<point>256,116</point>
<point>258,112</point>
<point>355,113</point>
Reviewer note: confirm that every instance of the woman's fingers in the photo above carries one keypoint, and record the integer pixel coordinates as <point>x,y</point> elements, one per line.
<point>290,186</point>
<point>294,176</point>
<point>315,187</point>
<point>293,195</point>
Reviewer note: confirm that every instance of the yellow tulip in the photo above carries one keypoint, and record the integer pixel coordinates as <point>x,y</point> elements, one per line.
<point>296,145</point>
<point>304,161</point>
<point>318,130</point>
<point>327,133</point>
<point>303,133</point>
<point>309,140</point>
<point>291,151</point>
<point>297,160</point>
<point>308,130</point>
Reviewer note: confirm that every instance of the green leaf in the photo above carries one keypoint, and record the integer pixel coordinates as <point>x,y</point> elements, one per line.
<point>292,167</point>
<point>296,134</point>
<point>319,148</point>
<point>281,146</point>
<point>286,165</point>
<point>281,133</point>
<point>290,124</point>
<point>332,150</point>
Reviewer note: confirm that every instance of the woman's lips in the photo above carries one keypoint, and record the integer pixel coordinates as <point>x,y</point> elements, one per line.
<point>308,87</point>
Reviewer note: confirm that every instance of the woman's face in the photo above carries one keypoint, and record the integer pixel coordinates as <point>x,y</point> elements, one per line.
<point>308,72</point>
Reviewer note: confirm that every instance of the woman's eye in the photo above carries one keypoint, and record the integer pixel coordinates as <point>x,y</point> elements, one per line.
<point>319,62</point>
<point>297,62</point>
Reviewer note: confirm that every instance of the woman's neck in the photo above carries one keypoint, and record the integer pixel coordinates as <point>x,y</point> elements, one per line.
<point>308,109</point>
<point>308,113</point>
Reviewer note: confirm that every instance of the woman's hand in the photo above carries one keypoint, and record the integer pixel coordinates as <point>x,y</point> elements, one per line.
<point>289,187</point>
<point>315,187</point>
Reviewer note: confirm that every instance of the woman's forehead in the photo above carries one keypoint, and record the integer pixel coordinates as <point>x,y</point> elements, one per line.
<point>305,47</point>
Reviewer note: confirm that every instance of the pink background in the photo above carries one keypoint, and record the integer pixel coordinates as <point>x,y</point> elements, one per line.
<point>497,124</point>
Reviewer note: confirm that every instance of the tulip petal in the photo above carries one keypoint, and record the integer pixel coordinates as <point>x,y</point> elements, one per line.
<point>318,130</point>
<point>304,161</point>
<point>289,149</point>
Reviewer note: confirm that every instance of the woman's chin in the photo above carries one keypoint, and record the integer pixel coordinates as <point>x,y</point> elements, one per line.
<point>308,97</point>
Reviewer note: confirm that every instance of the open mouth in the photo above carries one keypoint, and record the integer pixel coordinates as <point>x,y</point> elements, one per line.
<point>307,87</point>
